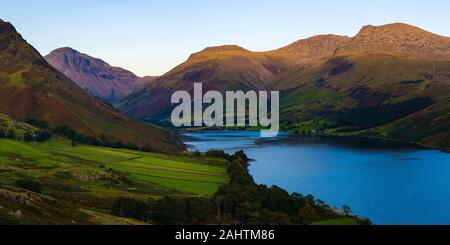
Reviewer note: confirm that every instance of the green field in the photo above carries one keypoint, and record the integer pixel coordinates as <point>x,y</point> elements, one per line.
<point>187,174</point>
<point>92,178</point>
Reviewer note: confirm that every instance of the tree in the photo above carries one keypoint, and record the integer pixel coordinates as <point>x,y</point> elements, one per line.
<point>42,135</point>
<point>128,207</point>
<point>28,137</point>
<point>104,141</point>
<point>307,214</point>
<point>147,148</point>
<point>66,131</point>
<point>320,203</point>
<point>197,153</point>
<point>217,153</point>
<point>11,134</point>
<point>2,133</point>
<point>37,123</point>
<point>131,146</point>
<point>171,211</point>
<point>347,210</point>
<point>278,200</point>
<point>118,144</point>
<point>89,140</point>
<point>239,154</point>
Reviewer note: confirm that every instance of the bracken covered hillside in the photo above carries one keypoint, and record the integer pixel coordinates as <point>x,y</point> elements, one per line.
<point>31,88</point>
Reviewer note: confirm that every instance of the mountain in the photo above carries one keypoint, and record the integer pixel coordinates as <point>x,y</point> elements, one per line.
<point>228,67</point>
<point>95,75</point>
<point>150,79</point>
<point>220,68</point>
<point>389,81</point>
<point>311,50</point>
<point>400,39</point>
<point>31,88</point>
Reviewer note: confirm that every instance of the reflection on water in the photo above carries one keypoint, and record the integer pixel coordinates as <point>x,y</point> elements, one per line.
<point>387,182</point>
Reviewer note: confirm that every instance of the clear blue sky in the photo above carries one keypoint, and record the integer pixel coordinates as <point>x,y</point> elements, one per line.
<point>151,37</point>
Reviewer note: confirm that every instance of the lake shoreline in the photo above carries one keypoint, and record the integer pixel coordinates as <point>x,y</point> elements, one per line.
<point>330,136</point>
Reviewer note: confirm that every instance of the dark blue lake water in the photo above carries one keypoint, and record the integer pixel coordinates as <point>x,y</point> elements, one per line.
<point>386,182</point>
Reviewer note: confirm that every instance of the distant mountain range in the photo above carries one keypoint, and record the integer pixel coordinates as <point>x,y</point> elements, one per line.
<point>31,88</point>
<point>388,81</point>
<point>95,75</point>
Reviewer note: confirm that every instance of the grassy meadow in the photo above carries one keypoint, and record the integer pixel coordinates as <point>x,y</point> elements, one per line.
<point>86,180</point>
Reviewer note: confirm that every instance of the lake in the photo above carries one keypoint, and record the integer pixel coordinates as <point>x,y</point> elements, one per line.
<point>386,182</point>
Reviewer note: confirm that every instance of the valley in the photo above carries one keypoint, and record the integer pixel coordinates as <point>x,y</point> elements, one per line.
<point>79,141</point>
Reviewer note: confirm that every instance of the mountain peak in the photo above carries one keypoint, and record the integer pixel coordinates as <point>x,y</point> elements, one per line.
<point>70,57</point>
<point>95,75</point>
<point>215,52</point>
<point>6,27</point>
<point>392,26</point>
<point>15,51</point>
<point>401,38</point>
<point>312,49</point>
<point>394,30</point>
<point>223,48</point>
<point>65,50</point>
<point>329,41</point>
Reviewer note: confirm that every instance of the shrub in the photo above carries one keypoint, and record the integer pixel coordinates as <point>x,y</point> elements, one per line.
<point>28,137</point>
<point>239,155</point>
<point>37,123</point>
<point>29,184</point>
<point>118,144</point>
<point>2,133</point>
<point>197,153</point>
<point>42,135</point>
<point>11,134</point>
<point>217,153</point>
<point>146,148</point>
<point>63,175</point>
<point>131,146</point>
<point>66,131</point>
<point>127,207</point>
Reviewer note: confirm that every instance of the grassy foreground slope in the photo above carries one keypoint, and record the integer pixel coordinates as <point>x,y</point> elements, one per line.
<point>80,184</point>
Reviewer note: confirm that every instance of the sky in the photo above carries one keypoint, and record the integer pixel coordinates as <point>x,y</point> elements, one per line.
<point>150,37</point>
